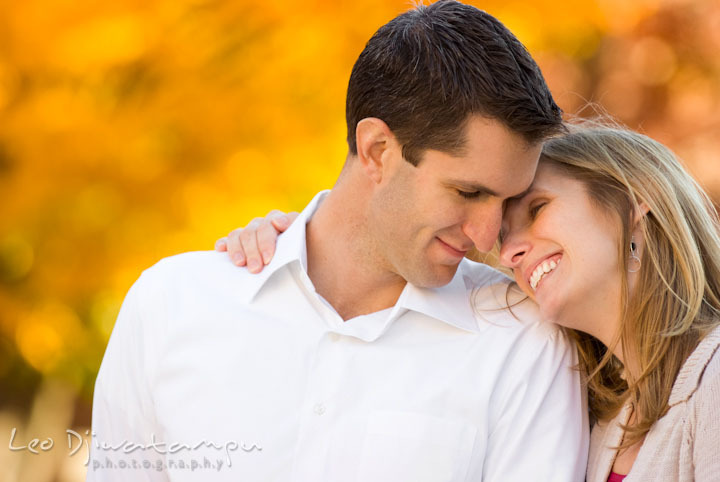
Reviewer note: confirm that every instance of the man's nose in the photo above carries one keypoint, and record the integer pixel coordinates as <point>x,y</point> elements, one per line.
<point>483,228</point>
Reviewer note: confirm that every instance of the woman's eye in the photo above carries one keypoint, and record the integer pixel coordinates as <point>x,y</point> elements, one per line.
<point>535,209</point>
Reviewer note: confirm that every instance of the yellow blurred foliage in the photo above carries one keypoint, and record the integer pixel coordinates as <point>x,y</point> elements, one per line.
<point>101,43</point>
<point>48,335</point>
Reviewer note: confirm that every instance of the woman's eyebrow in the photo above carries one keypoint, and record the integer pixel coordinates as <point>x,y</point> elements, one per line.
<point>522,194</point>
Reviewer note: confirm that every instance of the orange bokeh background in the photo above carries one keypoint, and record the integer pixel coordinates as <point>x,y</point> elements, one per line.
<point>134,130</point>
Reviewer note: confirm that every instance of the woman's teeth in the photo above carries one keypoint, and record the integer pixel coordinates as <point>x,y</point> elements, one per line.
<point>543,268</point>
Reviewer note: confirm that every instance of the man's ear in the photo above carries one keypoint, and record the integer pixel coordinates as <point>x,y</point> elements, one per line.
<point>375,141</point>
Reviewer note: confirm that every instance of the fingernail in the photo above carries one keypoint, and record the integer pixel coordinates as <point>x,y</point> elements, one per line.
<point>283,220</point>
<point>253,265</point>
<point>239,259</point>
<point>267,257</point>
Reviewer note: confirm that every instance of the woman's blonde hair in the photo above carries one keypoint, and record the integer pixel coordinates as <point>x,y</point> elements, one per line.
<point>676,300</point>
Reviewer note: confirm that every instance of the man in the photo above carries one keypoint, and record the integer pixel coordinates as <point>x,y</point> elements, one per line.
<point>368,349</point>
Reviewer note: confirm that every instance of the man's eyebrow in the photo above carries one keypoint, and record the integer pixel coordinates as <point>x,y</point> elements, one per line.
<point>473,187</point>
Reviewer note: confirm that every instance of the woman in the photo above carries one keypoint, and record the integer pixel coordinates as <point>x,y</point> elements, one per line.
<point>617,243</point>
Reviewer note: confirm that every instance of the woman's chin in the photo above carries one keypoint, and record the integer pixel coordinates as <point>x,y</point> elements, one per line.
<point>549,312</point>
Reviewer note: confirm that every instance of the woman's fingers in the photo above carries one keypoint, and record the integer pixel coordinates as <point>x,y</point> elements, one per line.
<point>234,247</point>
<point>221,244</point>
<point>249,244</point>
<point>274,223</point>
<point>254,245</point>
<point>282,220</point>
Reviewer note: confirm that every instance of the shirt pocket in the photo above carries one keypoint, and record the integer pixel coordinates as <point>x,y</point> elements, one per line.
<point>407,446</point>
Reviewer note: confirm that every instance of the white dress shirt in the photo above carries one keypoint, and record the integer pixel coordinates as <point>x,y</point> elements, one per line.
<point>257,378</point>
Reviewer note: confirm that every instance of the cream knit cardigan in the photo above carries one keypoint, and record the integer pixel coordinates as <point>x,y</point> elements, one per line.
<point>682,446</point>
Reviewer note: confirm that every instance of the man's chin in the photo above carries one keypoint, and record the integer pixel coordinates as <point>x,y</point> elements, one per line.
<point>438,276</point>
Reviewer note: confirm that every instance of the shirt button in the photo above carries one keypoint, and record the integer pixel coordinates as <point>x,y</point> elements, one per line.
<point>319,409</point>
<point>334,337</point>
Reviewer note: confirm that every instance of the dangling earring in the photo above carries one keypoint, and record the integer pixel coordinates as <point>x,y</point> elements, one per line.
<point>634,256</point>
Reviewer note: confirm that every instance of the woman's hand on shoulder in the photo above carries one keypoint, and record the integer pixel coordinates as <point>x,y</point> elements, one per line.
<point>254,245</point>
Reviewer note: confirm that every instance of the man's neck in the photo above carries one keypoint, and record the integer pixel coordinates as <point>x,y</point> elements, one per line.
<point>342,264</point>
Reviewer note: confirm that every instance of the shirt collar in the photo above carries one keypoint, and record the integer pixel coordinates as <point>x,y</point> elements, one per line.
<point>291,247</point>
<point>449,303</point>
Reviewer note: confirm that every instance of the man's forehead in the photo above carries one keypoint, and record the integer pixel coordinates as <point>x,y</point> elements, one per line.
<point>502,168</point>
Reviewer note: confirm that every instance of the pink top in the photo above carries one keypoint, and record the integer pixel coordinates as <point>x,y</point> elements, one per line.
<point>616,477</point>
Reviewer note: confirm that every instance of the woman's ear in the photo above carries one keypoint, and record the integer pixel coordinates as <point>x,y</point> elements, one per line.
<point>640,212</point>
<point>374,141</point>
<point>636,230</point>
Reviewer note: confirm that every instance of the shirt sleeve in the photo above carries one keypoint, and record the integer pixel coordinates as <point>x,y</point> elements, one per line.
<point>707,427</point>
<point>541,428</point>
<point>123,420</point>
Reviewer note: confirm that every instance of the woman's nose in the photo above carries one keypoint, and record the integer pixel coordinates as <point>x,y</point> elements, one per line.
<point>512,251</point>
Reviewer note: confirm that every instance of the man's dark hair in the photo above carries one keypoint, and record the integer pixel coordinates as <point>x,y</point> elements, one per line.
<point>428,69</point>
